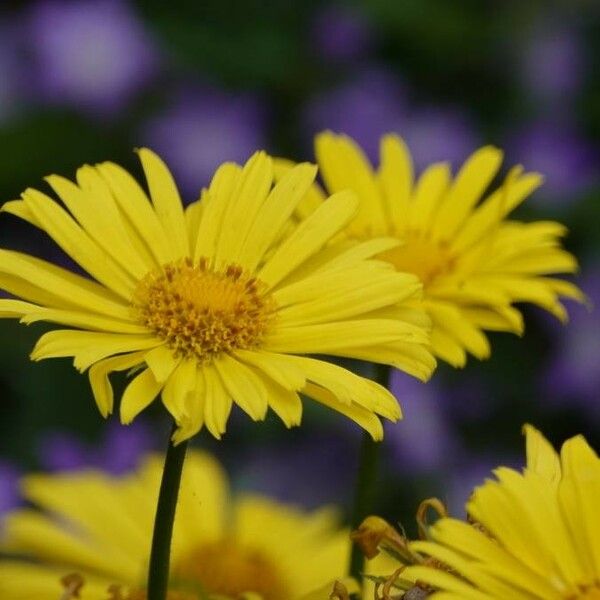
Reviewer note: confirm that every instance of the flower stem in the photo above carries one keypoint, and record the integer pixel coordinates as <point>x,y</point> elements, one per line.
<point>366,479</point>
<point>158,572</point>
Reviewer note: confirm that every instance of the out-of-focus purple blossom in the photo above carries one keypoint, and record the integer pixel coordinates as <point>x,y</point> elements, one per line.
<point>468,472</point>
<point>468,399</point>
<point>438,134</point>
<point>119,451</point>
<point>572,376</point>
<point>552,64</point>
<point>424,440</point>
<point>372,104</point>
<point>567,161</point>
<point>310,472</point>
<point>201,130</point>
<point>341,34</point>
<point>9,492</point>
<point>11,72</point>
<point>93,55</point>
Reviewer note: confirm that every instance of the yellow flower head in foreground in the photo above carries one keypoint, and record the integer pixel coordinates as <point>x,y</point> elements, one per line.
<point>215,304</point>
<point>473,262</point>
<point>99,527</point>
<point>537,534</point>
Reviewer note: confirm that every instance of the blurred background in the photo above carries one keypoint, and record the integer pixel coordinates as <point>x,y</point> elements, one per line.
<point>203,82</point>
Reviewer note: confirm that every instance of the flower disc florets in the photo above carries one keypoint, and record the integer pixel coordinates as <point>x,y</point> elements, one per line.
<point>203,312</point>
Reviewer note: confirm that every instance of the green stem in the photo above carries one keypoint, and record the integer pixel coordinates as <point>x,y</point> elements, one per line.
<point>364,491</point>
<point>158,572</point>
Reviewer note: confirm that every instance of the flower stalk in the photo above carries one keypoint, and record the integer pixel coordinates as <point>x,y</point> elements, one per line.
<point>158,572</point>
<point>364,491</point>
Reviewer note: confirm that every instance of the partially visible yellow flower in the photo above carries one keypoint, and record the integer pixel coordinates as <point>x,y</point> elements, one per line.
<point>536,534</point>
<point>218,303</point>
<point>99,528</point>
<point>474,263</point>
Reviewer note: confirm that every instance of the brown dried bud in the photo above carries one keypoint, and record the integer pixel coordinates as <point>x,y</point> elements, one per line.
<point>73,582</point>
<point>429,504</point>
<point>415,593</point>
<point>375,534</point>
<point>339,592</point>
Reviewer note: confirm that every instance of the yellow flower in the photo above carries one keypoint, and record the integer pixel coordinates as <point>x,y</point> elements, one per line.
<point>99,527</point>
<point>473,262</point>
<point>215,304</point>
<point>536,534</point>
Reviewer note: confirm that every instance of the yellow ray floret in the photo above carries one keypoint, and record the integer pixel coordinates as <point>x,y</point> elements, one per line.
<point>474,263</point>
<point>98,528</point>
<point>536,533</point>
<point>218,303</point>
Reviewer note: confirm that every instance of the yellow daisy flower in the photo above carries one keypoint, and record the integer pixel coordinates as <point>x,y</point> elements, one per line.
<point>218,303</point>
<point>99,528</point>
<point>473,262</point>
<point>536,534</point>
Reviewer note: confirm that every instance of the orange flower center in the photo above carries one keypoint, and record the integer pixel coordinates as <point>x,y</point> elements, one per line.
<point>587,593</point>
<point>230,569</point>
<point>421,256</point>
<point>202,312</point>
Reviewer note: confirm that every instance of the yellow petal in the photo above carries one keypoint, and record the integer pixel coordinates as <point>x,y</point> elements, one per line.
<point>94,208</point>
<point>429,192</point>
<point>309,237</point>
<point>136,208</point>
<point>365,418</point>
<point>180,385</point>
<point>88,347</point>
<point>139,394</point>
<point>468,186</point>
<point>78,244</point>
<point>244,386</point>
<point>100,383</point>
<point>344,166</point>
<point>541,456</point>
<point>166,201</point>
<point>274,213</point>
<point>45,283</point>
<point>396,180</point>
<point>218,402</point>
<point>248,197</point>
<point>276,366</point>
<point>216,201</point>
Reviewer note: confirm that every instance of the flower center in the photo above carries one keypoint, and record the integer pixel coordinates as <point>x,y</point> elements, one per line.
<point>587,593</point>
<point>118,594</point>
<point>202,312</point>
<point>421,256</point>
<point>230,569</point>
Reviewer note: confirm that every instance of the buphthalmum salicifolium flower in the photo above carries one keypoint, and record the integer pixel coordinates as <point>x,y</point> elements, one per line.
<point>97,528</point>
<point>533,535</point>
<point>219,303</point>
<point>473,262</point>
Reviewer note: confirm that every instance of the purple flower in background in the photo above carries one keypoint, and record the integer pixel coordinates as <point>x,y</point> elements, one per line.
<point>199,131</point>
<point>424,440</point>
<point>437,134</point>
<point>9,488</point>
<point>374,104</point>
<point>310,472</point>
<point>572,375</point>
<point>468,472</point>
<point>567,161</point>
<point>11,69</point>
<point>552,64</point>
<point>365,108</point>
<point>468,399</point>
<point>90,54</point>
<point>120,450</point>
<point>341,34</point>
